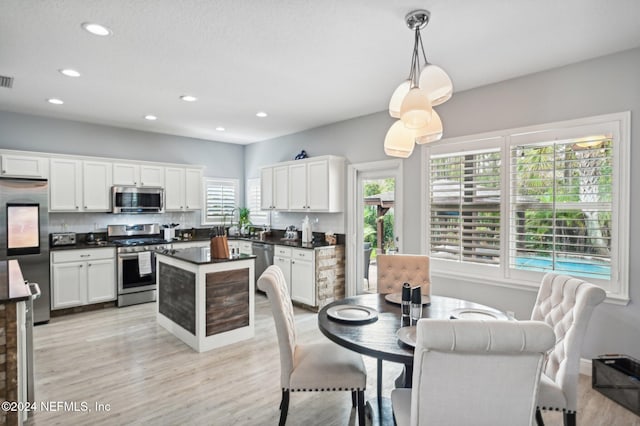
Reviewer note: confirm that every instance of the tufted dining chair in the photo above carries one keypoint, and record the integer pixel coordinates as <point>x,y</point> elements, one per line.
<point>314,367</point>
<point>397,269</point>
<point>393,271</point>
<point>566,304</point>
<point>470,372</point>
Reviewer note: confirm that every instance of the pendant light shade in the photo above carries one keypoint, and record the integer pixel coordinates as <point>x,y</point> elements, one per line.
<point>435,81</point>
<point>416,111</point>
<point>431,132</point>
<point>398,96</point>
<point>399,141</point>
<point>413,100</point>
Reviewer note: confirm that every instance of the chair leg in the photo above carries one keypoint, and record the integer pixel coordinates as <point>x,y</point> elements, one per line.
<point>361,419</point>
<point>539,420</point>
<point>284,407</point>
<point>379,380</point>
<point>354,401</point>
<point>569,419</point>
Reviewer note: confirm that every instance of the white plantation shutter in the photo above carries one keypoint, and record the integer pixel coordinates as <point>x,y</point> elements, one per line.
<point>561,206</point>
<point>258,217</point>
<point>508,206</point>
<point>221,198</point>
<point>464,197</point>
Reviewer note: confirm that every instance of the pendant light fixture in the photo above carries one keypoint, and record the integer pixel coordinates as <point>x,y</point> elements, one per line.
<point>413,100</point>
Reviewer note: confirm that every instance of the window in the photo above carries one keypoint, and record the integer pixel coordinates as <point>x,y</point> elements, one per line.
<point>221,198</point>
<point>258,217</point>
<point>516,204</point>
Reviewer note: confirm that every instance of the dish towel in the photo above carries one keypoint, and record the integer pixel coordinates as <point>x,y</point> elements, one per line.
<point>144,263</point>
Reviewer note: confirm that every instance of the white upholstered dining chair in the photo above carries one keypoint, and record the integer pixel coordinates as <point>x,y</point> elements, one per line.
<point>314,367</point>
<point>470,372</point>
<point>566,304</point>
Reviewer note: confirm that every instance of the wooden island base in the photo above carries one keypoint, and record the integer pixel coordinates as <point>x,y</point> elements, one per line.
<point>205,303</point>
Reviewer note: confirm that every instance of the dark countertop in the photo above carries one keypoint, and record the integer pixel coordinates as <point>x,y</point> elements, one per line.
<point>199,256</point>
<point>81,245</point>
<point>12,286</point>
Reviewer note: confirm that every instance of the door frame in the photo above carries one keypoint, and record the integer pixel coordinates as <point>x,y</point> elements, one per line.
<point>355,213</point>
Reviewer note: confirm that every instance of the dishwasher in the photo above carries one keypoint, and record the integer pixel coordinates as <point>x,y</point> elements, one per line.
<point>264,258</point>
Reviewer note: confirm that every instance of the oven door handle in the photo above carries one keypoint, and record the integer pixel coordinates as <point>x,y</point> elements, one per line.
<point>132,255</point>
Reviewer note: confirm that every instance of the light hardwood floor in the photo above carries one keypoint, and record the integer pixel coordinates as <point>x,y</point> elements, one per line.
<point>121,357</point>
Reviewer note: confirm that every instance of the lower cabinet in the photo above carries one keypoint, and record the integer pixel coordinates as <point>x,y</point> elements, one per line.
<point>82,277</point>
<point>299,271</point>
<point>303,277</point>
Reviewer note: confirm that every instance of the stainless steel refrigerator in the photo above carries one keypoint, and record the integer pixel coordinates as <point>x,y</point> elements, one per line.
<point>24,235</point>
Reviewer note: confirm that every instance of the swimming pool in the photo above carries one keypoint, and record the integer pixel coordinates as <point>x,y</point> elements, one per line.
<point>571,267</point>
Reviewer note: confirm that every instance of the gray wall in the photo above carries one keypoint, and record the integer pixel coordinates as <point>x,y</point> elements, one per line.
<point>35,133</point>
<point>604,85</point>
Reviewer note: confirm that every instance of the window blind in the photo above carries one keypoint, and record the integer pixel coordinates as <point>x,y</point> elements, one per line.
<point>221,197</point>
<point>257,216</point>
<point>464,198</point>
<point>561,206</point>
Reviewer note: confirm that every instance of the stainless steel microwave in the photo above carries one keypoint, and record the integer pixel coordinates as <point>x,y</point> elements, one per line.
<point>132,199</point>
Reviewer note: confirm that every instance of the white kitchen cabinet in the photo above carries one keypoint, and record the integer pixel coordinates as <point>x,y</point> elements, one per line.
<point>96,186</point>
<point>298,268</point>
<point>303,279</point>
<point>183,189</point>
<point>82,277</point>
<point>132,174</point>
<point>101,281</point>
<point>23,166</point>
<point>274,188</point>
<point>68,289</point>
<point>65,185</point>
<point>317,185</point>
<point>282,258</point>
<point>313,184</point>
<point>246,247</point>
<point>76,185</point>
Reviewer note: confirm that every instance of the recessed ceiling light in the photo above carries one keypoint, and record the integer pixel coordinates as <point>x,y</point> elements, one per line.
<point>55,101</point>
<point>261,114</point>
<point>220,129</point>
<point>96,29</point>
<point>69,72</point>
<point>150,117</point>
<point>188,98</point>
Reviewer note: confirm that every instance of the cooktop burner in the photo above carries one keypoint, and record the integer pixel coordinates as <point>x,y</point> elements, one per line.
<point>130,242</point>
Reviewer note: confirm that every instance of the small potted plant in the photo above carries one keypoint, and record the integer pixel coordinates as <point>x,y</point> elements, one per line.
<point>243,220</point>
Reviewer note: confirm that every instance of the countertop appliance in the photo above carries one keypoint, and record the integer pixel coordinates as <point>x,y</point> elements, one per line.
<point>132,199</point>
<point>57,239</point>
<point>136,269</point>
<point>24,235</point>
<point>264,257</point>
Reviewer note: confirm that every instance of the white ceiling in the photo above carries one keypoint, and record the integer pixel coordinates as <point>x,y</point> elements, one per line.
<point>306,63</point>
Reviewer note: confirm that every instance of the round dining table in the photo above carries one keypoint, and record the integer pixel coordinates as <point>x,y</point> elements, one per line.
<point>378,337</point>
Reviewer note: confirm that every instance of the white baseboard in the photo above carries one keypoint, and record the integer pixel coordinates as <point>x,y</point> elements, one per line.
<point>585,367</point>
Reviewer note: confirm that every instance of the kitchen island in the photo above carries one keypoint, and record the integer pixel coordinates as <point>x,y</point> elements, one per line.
<point>206,303</point>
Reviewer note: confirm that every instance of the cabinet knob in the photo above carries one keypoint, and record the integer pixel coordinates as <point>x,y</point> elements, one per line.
<point>180,206</point>
<point>81,266</point>
<point>86,207</point>
<point>77,207</point>
<point>85,255</point>
<point>141,183</point>
<point>4,171</point>
<point>88,264</point>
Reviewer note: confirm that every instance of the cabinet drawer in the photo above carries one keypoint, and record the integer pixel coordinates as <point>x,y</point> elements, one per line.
<point>246,247</point>
<point>302,254</point>
<point>82,255</point>
<point>283,251</point>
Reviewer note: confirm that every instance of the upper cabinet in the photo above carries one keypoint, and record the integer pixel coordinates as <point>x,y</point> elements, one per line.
<point>313,184</point>
<point>183,189</point>
<point>131,174</point>
<point>76,185</point>
<point>274,188</point>
<point>23,166</point>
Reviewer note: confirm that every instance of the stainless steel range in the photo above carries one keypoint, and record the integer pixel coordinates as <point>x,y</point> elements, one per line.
<point>136,261</point>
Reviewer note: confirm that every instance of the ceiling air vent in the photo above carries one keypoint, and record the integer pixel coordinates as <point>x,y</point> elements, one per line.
<point>6,81</point>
